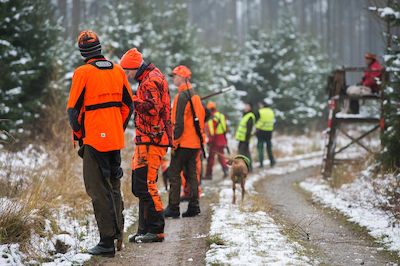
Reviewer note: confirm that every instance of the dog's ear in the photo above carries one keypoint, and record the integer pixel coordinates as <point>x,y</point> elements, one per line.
<point>229,161</point>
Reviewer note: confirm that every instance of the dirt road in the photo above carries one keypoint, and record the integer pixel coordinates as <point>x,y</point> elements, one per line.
<point>326,234</point>
<point>185,242</point>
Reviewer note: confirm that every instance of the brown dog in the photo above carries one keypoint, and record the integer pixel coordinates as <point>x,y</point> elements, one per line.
<point>239,169</point>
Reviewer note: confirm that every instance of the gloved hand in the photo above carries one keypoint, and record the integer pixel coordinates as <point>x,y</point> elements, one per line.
<point>173,151</point>
<point>81,150</point>
<point>81,147</point>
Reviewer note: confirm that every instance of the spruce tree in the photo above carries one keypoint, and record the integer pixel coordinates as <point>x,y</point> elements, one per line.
<point>27,38</point>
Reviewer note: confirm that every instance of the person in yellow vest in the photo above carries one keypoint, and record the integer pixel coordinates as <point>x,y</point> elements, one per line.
<point>265,119</point>
<point>244,130</point>
<point>216,129</point>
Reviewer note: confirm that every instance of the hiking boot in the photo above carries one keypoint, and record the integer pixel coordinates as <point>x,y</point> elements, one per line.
<point>101,250</point>
<point>273,163</point>
<point>168,212</point>
<point>150,238</point>
<point>134,237</point>
<point>191,212</point>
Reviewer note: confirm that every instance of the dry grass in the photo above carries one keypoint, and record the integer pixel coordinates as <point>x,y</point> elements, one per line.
<point>346,172</point>
<point>24,214</point>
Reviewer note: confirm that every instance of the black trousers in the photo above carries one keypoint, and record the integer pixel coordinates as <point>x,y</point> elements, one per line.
<point>243,149</point>
<point>101,175</point>
<point>183,157</point>
<point>264,137</point>
<point>150,220</point>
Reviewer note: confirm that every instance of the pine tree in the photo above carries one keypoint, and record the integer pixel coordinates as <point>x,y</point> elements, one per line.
<point>27,39</point>
<point>390,155</point>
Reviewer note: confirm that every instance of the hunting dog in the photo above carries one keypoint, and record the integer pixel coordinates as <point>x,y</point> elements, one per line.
<point>240,166</point>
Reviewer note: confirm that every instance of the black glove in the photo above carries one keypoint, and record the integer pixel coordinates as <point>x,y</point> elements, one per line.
<point>81,148</point>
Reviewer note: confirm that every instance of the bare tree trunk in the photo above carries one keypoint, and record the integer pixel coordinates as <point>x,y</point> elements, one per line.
<point>62,9</point>
<point>76,18</point>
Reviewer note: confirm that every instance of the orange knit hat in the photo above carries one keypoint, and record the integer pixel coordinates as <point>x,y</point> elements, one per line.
<point>182,71</point>
<point>131,60</point>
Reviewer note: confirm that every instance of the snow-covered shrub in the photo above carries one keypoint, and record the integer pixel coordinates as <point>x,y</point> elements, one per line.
<point>387,187</point>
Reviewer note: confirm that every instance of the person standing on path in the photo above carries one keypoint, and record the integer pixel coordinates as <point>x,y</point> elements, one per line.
<point>265,120</point>
<point>244,130</point>
<point>216,129</point>
<point>188,115</point>
<point>100,92</point>
<point>152,118</point>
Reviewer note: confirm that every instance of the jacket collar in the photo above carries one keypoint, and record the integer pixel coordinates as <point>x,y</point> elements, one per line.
<point>185,86</point>
<point>245,113</point>
<point>91,59</point>
<point>144,71</point>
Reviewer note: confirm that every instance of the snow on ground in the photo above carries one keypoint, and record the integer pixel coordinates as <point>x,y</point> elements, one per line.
<point>75,235</point>
<point>16,166</point>
<point>298,145</point>
<point>10,255</point>
<point>360,202</point>
<point>243,237</point>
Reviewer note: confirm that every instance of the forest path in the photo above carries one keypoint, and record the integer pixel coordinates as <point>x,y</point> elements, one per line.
<point>328,237</point>
<point>185,239</point>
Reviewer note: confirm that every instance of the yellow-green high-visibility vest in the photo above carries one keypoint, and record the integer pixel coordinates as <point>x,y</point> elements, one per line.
<point>221,124</point>
<point>242,128</point>
<point>266,120</point>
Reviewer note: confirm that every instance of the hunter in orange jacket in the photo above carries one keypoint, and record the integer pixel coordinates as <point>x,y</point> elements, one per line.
<point>99,108</point>
<point>152,108</point>
<point>185,135</point>
<point>100,92</point>
<point>187,113</point>
<point>153,137</point>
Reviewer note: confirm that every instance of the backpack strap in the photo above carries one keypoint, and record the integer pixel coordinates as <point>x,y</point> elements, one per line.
<point>196,124</point>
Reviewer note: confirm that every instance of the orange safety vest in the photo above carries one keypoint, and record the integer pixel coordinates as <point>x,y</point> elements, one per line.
<point>100,104</point>
<point>185,135</point>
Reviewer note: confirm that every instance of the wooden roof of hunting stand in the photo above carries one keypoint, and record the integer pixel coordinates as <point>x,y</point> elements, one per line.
<point>336,87</point>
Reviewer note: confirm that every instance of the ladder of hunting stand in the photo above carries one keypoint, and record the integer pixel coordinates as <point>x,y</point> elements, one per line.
<point>336,87</point>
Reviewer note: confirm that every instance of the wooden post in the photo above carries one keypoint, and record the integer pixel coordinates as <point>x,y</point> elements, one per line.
<point>334,102</point>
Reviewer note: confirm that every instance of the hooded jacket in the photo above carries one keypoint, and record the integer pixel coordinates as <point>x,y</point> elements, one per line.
<point>373,72</point>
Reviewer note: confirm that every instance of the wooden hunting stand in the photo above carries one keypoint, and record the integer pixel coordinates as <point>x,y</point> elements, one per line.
<point>337,87</point>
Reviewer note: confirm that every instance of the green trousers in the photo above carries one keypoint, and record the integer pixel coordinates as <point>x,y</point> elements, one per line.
<point>101,175</point>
